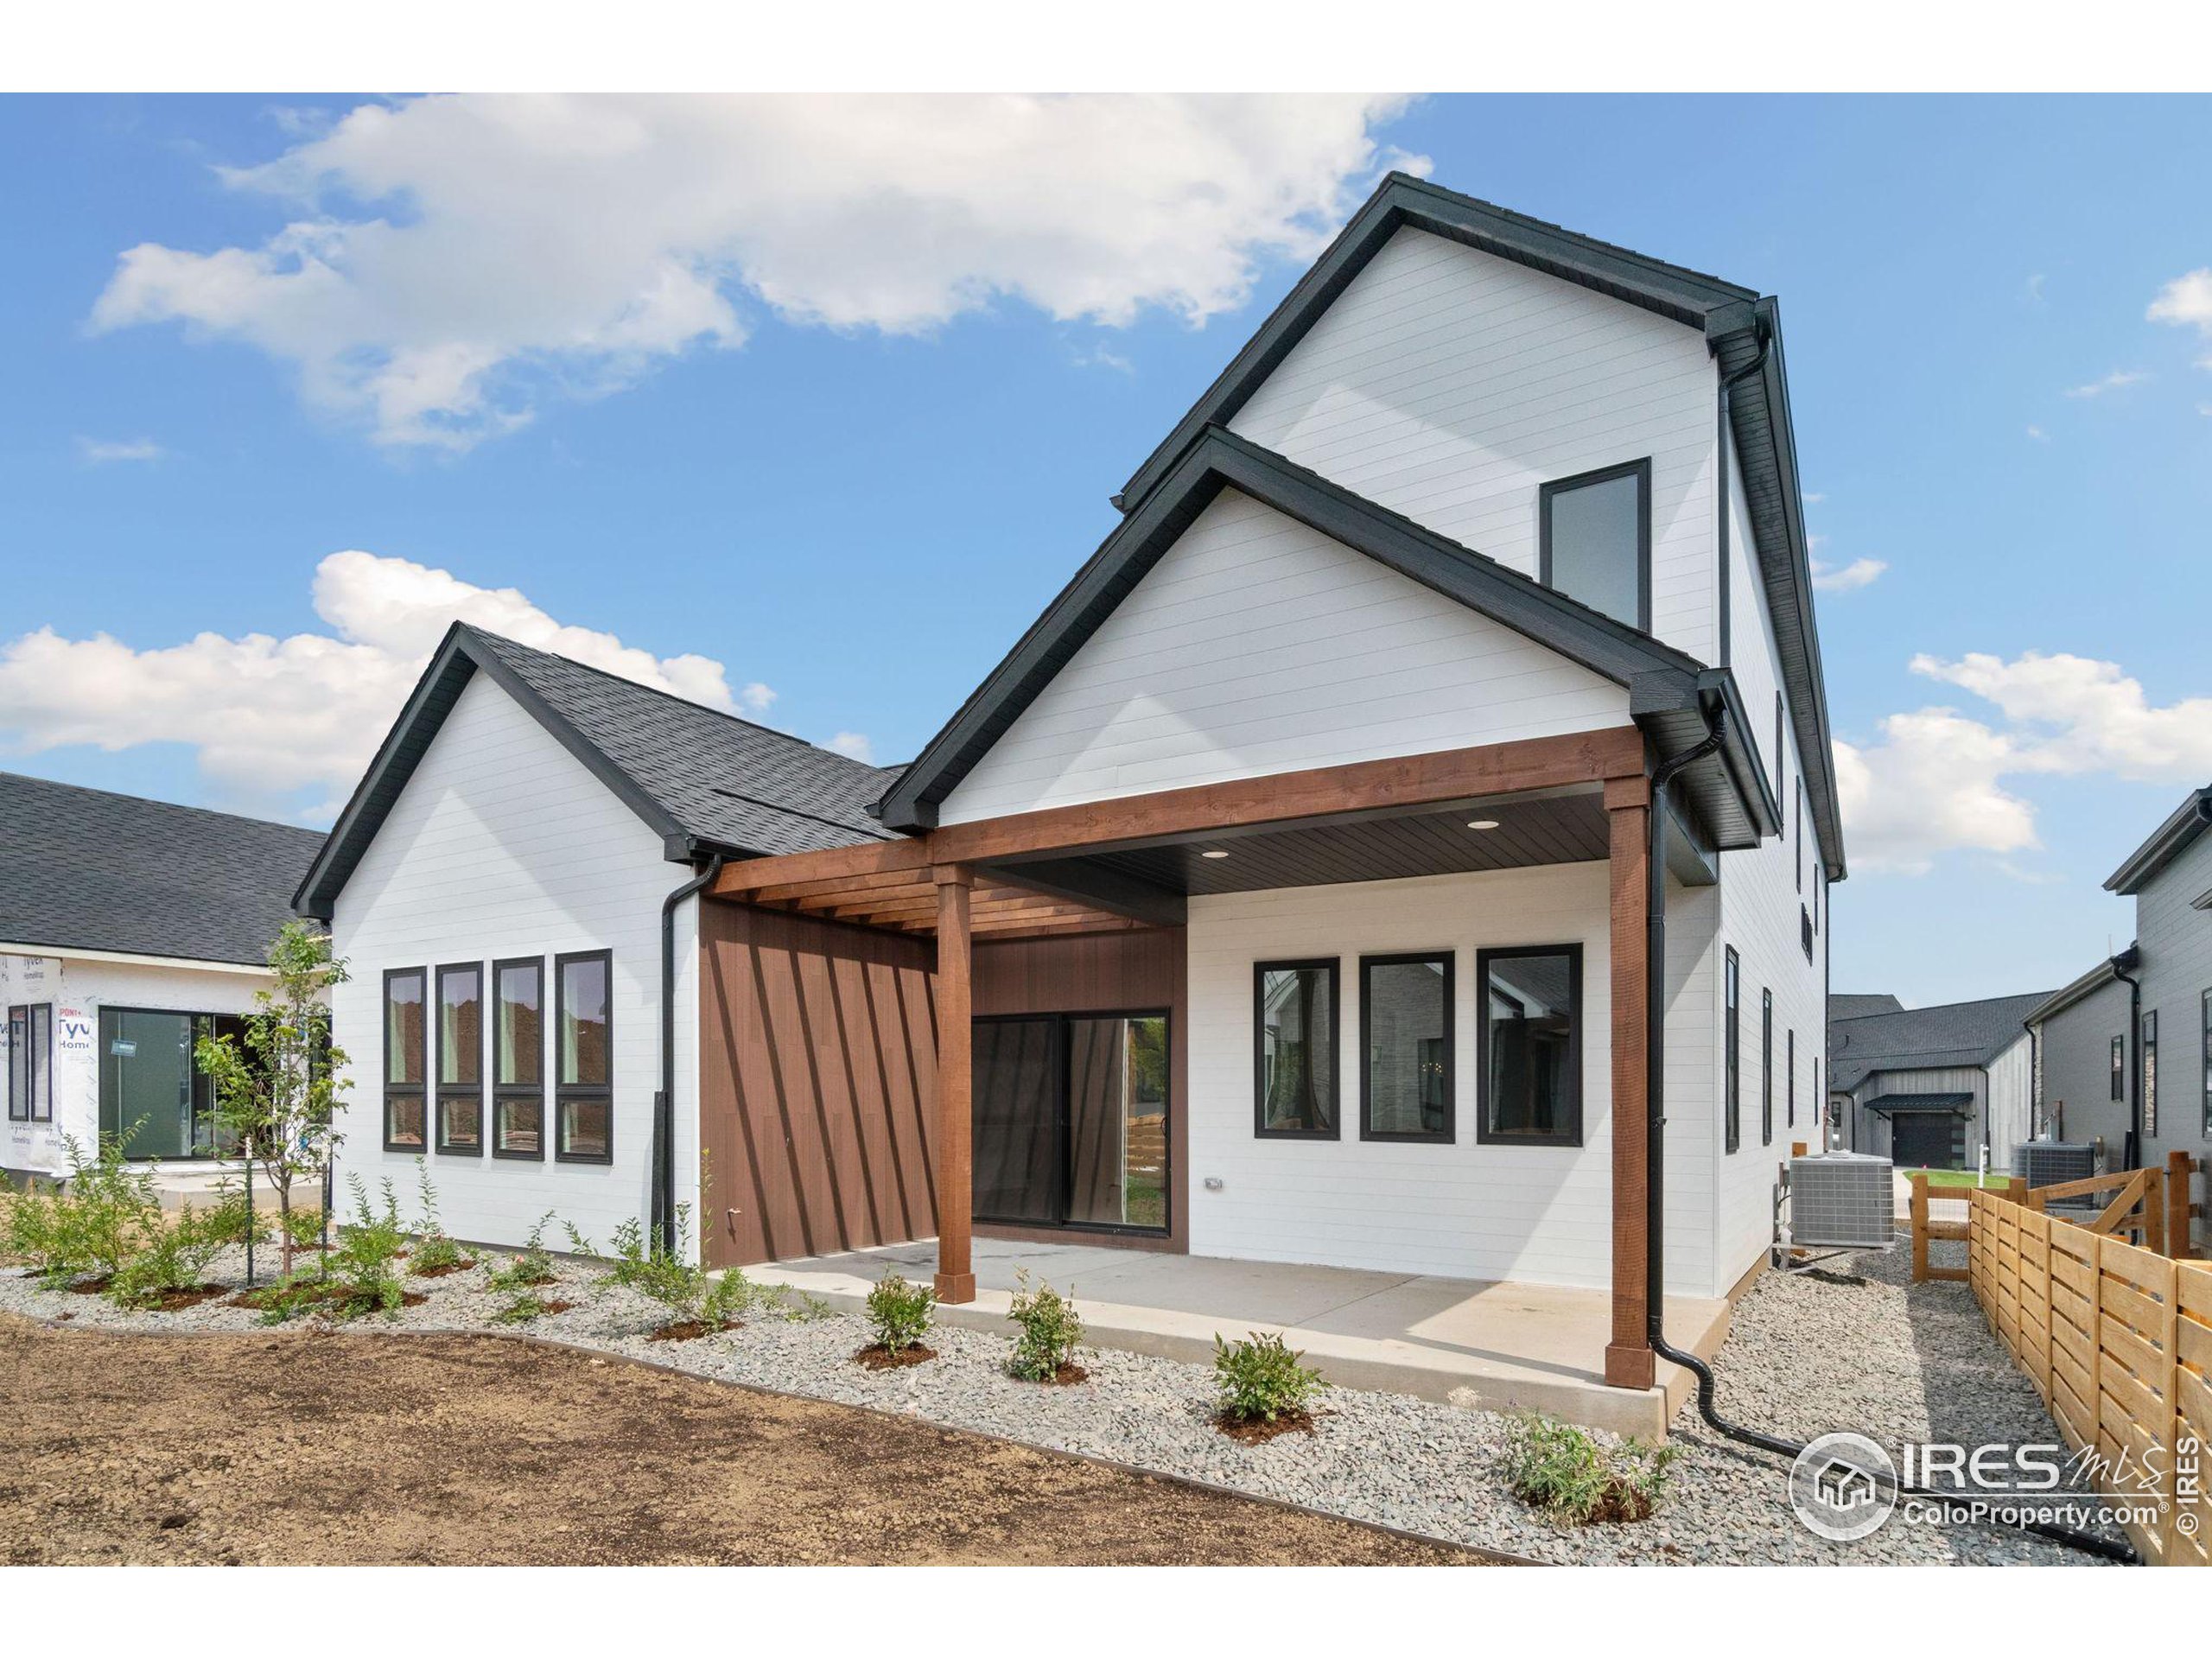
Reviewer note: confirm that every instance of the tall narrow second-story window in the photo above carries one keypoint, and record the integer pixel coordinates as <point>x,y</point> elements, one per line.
<point>1595,540</point>
<point>1790,1072</point>
<point>2119,1068</point>
<point>1766,1068</point>
<point>2204,1018</point>
<point>1732,1052</point>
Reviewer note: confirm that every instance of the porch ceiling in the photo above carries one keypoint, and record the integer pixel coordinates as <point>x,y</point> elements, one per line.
<point>906,902</point>
<point>1563,826</point>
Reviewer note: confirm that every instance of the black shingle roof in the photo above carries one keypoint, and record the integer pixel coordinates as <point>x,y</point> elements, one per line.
<point>1854,1005</point>
<point>1955,1034</point>
<point>85,869</point>
<point>725,780</point>
<point>704,781</point>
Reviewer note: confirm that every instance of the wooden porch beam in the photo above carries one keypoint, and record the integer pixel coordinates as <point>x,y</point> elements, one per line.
<point>1630,1362</point>
<point>956,1197</point>
<point>1360,786</point>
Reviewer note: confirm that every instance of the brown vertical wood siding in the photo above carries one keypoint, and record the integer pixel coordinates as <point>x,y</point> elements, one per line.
<point>818,1066</point>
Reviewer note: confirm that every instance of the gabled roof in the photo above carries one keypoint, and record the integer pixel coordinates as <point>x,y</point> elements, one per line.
<point>2167,843</point>
<point>1915,1039</point>
<point>1849,1005</point>
<point>2105,973</point>
<point>1742,331</point>
<point>703,781</point>
<point>84,869</point>
<point>1668,689</point>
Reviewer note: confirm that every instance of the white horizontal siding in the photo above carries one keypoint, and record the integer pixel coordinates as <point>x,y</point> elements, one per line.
<point>1538,1214</point>
<point>1449,384</point>
<point>503,844</point>
<point>1257,645</point>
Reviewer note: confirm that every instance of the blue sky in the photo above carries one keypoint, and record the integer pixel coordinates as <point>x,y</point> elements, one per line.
<point>850,474</point>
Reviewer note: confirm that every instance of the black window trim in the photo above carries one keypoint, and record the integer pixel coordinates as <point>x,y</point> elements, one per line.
<point>1766,1065</point>
<point>1449,1135</point>
<point>440,1089</point>
<point>1731,1051</point>
<point>2146,1057</point>
<point>416,1091</point>
<point>1639,469</point>
<point>2119,1068</point>
<point>1484,1135</point>
<point>519,1090</point>
<point>38,1078</point>
<point>563,1092</point>
<point>1260,972</point>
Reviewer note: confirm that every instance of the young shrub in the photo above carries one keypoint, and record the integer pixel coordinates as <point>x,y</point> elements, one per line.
<point>276,1089</point>
<point>165,1270</point>
<point>232,1220</point>
<point>1576,1480</point>
<point>292,1297</point>
<point>104,1214</point>
<point>1262,1386</point>
<point>526,1306</point>
<point>1045,1350</point>
<point>697,1305</point>
<point>900,1313</point>
<point>533,1267</point>
<point>434,1255</point>
<point>362,1264</point>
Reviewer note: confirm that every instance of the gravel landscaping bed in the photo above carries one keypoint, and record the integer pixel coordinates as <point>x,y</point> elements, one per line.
<point>1857,1347</point>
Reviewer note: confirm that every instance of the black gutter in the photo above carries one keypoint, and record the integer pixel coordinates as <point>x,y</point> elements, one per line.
<point>2123,966</point>
<point>1654,1033</point>
<point>664,1194</point>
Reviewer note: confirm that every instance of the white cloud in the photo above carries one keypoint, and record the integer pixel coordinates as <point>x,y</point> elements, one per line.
<point>451,260</point>
<point>2039,434</point>
<point>2118,380</point>
<point>756,697</point>
<point>2186,302</point>
<point>2032,294</point>
<point>268,717</point>
<point>1935,782</point>
<point>1929,786</point>
<point>95,452</point>
<point>1812,498</point>
<point>1859,573</point>
<point>853,745</point>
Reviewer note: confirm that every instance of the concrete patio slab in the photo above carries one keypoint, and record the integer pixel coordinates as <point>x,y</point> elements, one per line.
<point>1499,1346</point>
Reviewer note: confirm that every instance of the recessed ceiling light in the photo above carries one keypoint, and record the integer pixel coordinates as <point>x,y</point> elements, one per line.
<point>1213,852</point>
<point>1481,824</point>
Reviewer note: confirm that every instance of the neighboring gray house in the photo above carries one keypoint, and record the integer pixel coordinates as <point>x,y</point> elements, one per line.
<point>2084,1061</point>
<point>2156,1093</point>
<point>1930,1087</point>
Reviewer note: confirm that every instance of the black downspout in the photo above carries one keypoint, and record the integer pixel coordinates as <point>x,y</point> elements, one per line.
<point>2132,1148</point>
<point>1654,944</point>
<point>663,1199</point>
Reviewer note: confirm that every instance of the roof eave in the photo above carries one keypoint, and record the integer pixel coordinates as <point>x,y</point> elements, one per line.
<point>2166,842</point>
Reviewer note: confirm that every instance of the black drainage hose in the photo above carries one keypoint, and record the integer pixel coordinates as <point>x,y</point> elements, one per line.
<point>1654,923</point>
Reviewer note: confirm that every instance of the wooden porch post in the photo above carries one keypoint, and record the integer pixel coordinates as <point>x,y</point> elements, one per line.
<point>955,1276</point>
<point>1629,1363</point>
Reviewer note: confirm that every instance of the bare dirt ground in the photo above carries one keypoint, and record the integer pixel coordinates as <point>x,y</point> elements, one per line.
<point>321,1447</point>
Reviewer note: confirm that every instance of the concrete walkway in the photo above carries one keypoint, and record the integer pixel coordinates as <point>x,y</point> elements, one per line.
<point>1472,1343</point>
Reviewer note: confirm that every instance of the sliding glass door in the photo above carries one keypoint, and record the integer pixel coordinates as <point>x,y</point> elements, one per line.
<point>1071,1121</point>
<point>152,1094</point>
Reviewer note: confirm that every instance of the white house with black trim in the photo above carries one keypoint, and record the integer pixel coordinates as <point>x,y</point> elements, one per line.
<point>129,929</point>
<point>1425,787</point>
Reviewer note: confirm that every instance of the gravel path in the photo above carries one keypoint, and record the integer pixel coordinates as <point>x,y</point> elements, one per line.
<point>1857,1348</point>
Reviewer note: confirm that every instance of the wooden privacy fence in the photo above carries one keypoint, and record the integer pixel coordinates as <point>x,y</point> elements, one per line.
<point>2150,1207</point>
<point>2117,1338</point>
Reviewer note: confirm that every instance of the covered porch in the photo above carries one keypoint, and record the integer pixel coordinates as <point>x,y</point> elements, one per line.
<point>1501,1347</point>
<point>1135,866</point>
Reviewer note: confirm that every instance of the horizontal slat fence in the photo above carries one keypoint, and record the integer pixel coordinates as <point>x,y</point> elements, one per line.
<point>2118,1340</point>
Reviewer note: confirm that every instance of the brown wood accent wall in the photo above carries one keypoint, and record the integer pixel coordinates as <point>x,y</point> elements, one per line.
<point>1102,973</point>
<point>818,1086</point>
<point>817,1070</point>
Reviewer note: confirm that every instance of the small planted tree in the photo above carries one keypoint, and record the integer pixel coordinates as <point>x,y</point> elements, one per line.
<point>278,1088</point>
